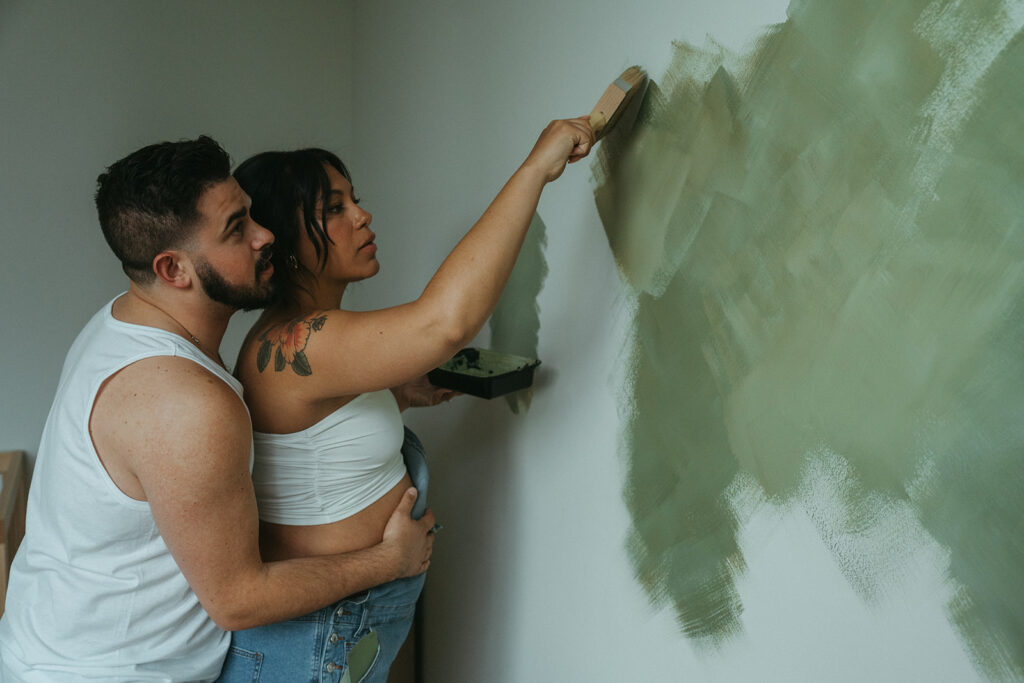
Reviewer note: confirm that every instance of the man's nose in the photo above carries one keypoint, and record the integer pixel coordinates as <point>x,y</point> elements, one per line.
<point>261,236</point>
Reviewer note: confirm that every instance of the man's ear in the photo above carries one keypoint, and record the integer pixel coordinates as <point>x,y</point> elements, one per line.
<point>173,268</point>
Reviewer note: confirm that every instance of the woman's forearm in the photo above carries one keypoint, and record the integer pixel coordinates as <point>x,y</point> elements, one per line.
<point>469,282</point>
<point>472,277</point>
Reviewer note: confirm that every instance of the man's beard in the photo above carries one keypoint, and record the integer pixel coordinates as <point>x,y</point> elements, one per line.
<point>245,297</point>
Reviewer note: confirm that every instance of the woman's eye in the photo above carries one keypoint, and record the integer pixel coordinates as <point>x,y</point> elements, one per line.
<point>335,208</point>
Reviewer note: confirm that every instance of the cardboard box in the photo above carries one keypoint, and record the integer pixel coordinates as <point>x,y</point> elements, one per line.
<point>13,497</point>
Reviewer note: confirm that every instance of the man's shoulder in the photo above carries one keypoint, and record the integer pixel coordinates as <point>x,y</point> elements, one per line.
<point>158,387</point>
<point>166,418</point>
<point>177,374</point>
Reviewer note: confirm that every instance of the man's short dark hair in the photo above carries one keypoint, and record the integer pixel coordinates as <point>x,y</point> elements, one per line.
<point>147,202</point>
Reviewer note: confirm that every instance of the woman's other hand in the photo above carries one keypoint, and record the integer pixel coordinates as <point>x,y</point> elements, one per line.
<point>562,142</point>
<point>420,393</point>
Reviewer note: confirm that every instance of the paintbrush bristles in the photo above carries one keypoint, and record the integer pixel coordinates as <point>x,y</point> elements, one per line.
<point>614,100</point>
<point>634,75</point>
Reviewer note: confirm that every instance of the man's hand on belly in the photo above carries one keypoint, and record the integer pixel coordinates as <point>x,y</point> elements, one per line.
<point>409,540</point>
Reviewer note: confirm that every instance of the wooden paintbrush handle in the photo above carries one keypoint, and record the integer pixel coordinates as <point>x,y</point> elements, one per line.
<point>614,100</point>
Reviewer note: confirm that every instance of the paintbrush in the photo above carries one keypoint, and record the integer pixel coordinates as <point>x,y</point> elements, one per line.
<point>615,99</point>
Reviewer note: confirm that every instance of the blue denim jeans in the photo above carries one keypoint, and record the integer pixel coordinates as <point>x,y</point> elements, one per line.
<point>315,647</point>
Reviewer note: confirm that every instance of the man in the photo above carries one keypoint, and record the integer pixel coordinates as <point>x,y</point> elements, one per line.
<point>141,548</point>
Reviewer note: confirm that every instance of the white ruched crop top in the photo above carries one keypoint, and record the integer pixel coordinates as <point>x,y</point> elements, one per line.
<point>332,470</point>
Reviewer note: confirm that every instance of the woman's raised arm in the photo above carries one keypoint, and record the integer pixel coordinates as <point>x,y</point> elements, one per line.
<point>347,353</point>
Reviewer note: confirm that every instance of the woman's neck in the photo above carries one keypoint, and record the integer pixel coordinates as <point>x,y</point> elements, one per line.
<point>322,295</point>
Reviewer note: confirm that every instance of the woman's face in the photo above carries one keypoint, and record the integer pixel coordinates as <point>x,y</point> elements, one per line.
<point>352,254</point>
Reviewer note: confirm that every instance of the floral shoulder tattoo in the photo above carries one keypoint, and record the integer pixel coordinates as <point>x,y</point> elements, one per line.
<point>287,344</point>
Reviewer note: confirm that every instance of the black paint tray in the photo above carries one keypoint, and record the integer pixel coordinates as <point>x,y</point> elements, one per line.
<point>484,373</point>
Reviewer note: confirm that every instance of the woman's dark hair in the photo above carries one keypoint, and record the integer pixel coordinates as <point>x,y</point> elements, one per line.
<point>280,184</point>
<point>148,201</point>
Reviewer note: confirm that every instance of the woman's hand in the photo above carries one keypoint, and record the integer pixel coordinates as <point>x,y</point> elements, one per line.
<point>420,393</point>
<point>562,142</point>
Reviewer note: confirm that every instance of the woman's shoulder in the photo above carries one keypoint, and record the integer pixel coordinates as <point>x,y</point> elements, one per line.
<point>278,344</point>
<point>281,344</point>
<point>277,374</point>
<point>323,355</point>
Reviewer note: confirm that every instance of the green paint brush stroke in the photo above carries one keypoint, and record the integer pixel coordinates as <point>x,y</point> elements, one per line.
<point>827,246</point>
<point>515,323</point>
<point>683,541</point>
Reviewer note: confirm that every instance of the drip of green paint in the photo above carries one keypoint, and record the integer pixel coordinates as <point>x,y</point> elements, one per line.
<point>515,323</point>
<point>827,246</point>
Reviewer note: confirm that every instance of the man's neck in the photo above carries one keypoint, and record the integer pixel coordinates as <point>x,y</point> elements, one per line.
<point>188,314</point>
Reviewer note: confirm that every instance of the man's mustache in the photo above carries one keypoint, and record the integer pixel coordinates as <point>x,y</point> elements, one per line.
<point>265,256</point>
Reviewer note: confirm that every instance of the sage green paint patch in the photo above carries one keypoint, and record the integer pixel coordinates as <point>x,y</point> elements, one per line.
<point>826,242</point>
<point>515,323</point>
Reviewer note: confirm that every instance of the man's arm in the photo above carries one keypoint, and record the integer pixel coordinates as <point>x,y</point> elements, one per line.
<point>171,433</point>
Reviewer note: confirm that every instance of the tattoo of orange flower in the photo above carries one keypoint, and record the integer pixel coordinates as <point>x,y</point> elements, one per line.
<point>287,344</point>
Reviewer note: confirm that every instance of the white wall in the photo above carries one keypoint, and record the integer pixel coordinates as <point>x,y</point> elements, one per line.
<point>433,105</point>
<point>530,579</point>
<point>84,83</point>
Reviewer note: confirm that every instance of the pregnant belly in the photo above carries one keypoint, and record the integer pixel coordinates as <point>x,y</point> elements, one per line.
<point>362,530</point>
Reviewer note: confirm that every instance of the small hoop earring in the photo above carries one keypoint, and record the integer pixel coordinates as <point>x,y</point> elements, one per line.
<point>293,262</point>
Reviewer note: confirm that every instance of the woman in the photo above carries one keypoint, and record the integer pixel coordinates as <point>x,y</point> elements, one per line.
<point>328,472</point>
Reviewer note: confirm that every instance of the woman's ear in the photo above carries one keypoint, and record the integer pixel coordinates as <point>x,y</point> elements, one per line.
<point>173,268</point>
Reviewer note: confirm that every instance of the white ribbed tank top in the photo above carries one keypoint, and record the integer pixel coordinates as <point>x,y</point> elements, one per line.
<point>342,464</point>
<point>94,592</point>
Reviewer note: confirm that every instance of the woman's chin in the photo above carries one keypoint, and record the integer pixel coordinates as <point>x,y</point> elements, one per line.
<point>369,272</point>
